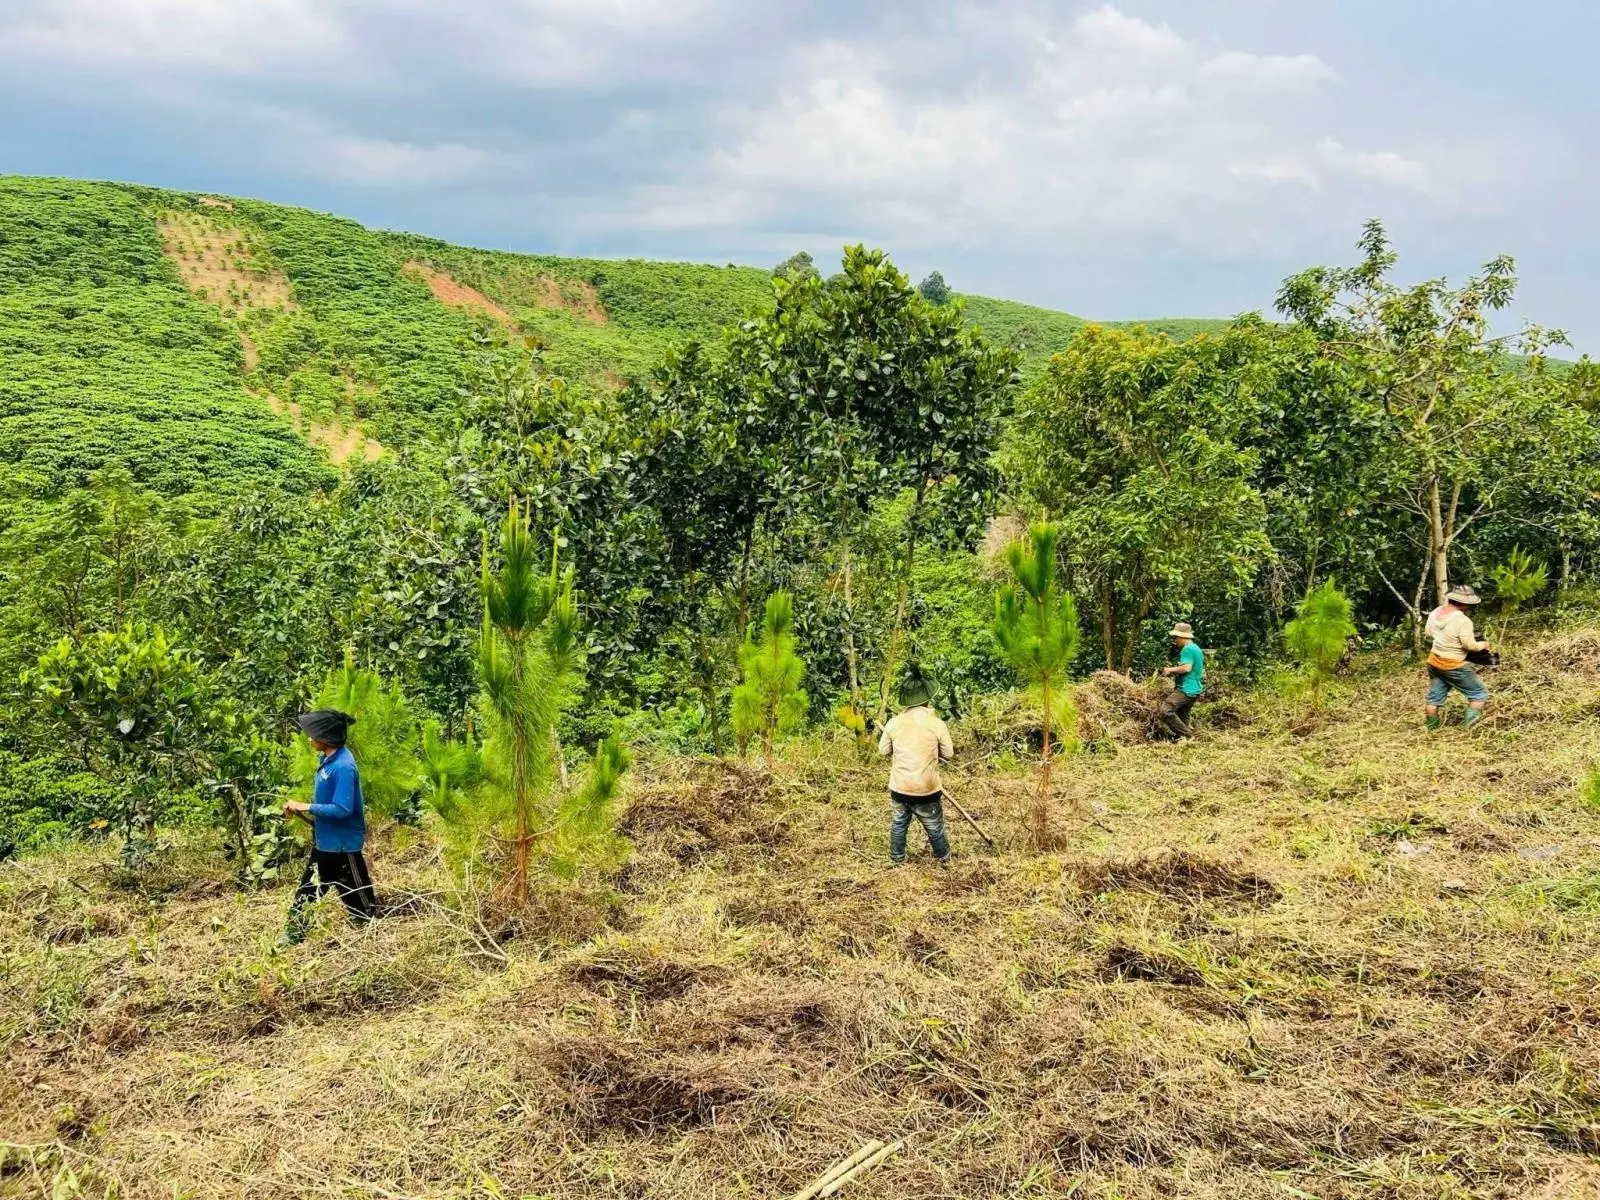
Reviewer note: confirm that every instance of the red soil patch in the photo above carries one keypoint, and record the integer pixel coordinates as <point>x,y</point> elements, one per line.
<point>574,295</point>
<point>458,295</point>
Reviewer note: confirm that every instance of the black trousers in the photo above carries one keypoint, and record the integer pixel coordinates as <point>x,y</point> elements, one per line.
<point>345,873</point>
<point>1175,713</point>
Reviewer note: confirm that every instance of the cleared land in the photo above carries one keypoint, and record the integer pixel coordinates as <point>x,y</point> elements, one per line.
<point>1354,961</point>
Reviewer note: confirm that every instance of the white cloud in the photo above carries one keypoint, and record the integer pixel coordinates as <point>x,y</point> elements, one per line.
<point>1112,123</point>
<point>1269,72</point>
<point>1384,166</point>
<point>304,143</point>
<point>384,161</point>
<point>230,36</point>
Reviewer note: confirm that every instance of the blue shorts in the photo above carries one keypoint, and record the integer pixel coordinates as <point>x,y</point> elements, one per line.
<point>1463,679</point>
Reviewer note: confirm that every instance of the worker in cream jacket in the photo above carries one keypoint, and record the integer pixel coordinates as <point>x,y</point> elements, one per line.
<point>918,741</point>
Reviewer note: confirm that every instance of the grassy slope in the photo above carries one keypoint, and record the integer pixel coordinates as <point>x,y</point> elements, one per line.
<point>104,355</point>
<point>1370,972</point>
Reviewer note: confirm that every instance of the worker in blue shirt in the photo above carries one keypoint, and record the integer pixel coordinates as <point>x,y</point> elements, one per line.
<point>1190,672</point>
<point>338,823</point>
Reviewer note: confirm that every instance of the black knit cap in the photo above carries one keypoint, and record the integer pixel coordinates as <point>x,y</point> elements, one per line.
<point>327,725</point>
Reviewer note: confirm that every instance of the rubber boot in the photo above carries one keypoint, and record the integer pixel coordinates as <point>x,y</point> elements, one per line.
<point>1474,715</point>
<point>1434,721</point>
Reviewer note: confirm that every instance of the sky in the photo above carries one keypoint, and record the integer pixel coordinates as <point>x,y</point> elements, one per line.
<point>1140,158</point>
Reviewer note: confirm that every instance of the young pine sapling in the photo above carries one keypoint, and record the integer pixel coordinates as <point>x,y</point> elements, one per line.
<point>1516,581</point>
<point>383,739</point>
<point>770,701</point>
<point>528,658</point>
<point>1036,625</point>
<point>1318,635</point>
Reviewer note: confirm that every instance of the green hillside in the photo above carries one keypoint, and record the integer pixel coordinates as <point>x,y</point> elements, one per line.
<point>203,341</point>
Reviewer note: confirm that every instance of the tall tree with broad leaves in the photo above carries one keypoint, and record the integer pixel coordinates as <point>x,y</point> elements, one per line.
<point>1136,445</point>
<point>1424,362</point>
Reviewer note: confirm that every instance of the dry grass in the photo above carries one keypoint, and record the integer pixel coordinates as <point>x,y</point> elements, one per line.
<point>1270,965</point>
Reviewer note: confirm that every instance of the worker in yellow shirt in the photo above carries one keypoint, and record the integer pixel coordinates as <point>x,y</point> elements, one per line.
<point>1450,627</point>
<point>918,741</point>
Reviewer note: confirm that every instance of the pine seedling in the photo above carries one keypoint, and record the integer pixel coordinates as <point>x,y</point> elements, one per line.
<point>1516,581</point>
<point>770,701</point>
<point>1589,792</point>
<point>383,739</point>
<point>1318,635</point>
<point>527,670</point>
<point>1036,625</point>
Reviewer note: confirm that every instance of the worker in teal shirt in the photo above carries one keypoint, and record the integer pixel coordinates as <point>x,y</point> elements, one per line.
<point>1190,672</point>
<point>338,823</point>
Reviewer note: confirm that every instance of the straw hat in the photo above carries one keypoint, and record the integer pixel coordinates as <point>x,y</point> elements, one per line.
<point>1462,594</point>
<point>1183,630</point>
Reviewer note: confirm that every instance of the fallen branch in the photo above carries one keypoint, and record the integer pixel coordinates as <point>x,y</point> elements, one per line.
<point>814,1188</point>
<point>857,1171</point>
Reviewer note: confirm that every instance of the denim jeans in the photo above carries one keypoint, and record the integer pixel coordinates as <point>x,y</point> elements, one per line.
<point>1463,679</point>
<point>929,811</point>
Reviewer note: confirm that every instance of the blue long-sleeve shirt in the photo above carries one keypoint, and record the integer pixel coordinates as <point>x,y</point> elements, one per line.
<point>339,818</point>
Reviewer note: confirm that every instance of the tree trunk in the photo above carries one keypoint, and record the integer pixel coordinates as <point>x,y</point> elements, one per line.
<point>1130,645</point>
<point>1041,803</point>
<point>519,777</point>
<point>850,631</point>
<point>1418,623</point>
<point>1439,542</point>
<point>897,633</point>
<point>1108,622</point>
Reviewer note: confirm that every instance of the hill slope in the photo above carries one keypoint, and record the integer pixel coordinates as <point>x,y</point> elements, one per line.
<point>194,337</point>
<point>1349,963</point>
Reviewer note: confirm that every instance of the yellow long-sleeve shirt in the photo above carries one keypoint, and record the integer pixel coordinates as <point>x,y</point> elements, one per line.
<point>918,740</point>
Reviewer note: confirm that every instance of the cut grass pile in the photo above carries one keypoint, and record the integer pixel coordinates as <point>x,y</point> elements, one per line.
<point>1345,961</point>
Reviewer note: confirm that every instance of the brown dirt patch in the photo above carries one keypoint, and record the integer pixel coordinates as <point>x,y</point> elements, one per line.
<point>213,202</point>
<point>342,443</point>
<point>1180,875</point>
<point>458,295</point>
<point>572,295</point>
<point>219,263</point>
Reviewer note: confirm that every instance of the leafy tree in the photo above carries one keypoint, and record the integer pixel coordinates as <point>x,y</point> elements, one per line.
<point>770,700</point>
<point>1516,581</point>
<point>1319,634</point>
<point>1423,361</point>
<point>934,290</point>
<point>798,264</point>
<point>1135,445</point>
<point>133,709</point>
<point>925,392</point>
<point>384,738</point>
<point>1036,626</point>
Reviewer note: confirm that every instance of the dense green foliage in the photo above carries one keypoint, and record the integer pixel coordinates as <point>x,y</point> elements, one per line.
<point>689,439</point>
<point>104,357</point>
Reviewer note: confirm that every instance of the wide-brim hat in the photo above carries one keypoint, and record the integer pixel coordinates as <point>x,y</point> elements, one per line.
<point>914,689</point>
<point>1463,594</point>
<point>1184,630</point>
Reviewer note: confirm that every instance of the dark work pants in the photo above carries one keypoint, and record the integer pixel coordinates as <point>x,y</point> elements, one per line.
<point>929,811</point>
<point>345,873</point>
<point>1175,713</point>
